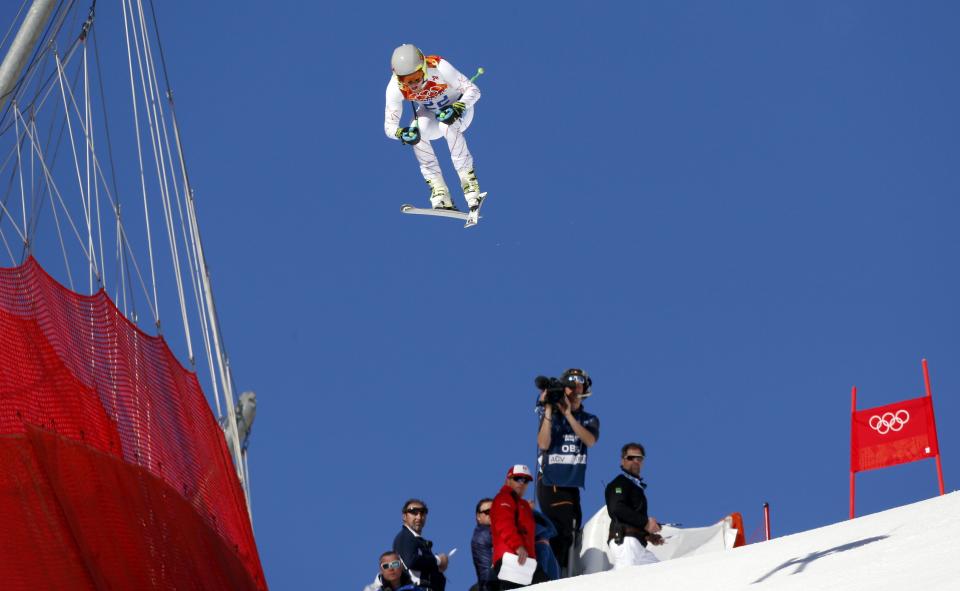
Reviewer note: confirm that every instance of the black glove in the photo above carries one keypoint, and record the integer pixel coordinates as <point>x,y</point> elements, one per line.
<point>451,113</point>
<point>409,136</point>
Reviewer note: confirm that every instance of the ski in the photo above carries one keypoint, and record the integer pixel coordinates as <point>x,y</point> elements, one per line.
<point>470,218</point>
<point>474,216</point>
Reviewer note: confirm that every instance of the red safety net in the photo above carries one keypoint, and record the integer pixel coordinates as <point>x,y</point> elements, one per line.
<point>114,474</point>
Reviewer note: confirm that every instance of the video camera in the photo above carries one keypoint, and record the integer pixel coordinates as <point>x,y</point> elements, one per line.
<point>553,386</point>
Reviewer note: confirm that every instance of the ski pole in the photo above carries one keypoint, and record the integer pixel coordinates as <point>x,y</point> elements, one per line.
<point>413,107</point>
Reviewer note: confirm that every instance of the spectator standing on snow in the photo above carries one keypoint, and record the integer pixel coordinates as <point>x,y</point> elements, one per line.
<point>416,551</point>
<point>481,545</point>
<point>513,525</point>
<point>565,433</point>
<point>392,576</point>
<point>631,529</point>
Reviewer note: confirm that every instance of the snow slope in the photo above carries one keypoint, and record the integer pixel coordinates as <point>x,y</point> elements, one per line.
<point>912,547</point>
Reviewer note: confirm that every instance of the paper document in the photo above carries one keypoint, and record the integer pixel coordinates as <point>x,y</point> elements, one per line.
<point>513,571</point>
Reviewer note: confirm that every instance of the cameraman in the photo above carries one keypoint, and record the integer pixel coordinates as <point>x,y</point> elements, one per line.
<point>566,431</point>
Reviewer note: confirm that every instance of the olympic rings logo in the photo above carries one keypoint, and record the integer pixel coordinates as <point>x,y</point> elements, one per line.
<point>889,421</point>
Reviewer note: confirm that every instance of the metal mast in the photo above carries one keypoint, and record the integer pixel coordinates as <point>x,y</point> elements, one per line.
<point>23,44</point>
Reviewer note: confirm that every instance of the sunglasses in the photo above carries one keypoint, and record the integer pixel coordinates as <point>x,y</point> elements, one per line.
<point>484,511</point>
<point>522,479</point>
<point>633,458</point>
<point>417,511</point>
<point>388,565</point>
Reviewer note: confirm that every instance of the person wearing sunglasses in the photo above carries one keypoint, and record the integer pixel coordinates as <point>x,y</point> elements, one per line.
<point>481,545</point>
<point>565,433</point>
<point>416,552</point>
<point>392,576</point>
<point>631,529</point>
<point>443,101</point>
<point>512,524</point>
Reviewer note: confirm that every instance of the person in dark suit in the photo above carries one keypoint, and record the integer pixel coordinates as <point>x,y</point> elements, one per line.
<point>631,528</point>
<point>416,552</point>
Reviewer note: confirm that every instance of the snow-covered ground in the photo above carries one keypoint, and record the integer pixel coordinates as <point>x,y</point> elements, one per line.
<point>912,547</point>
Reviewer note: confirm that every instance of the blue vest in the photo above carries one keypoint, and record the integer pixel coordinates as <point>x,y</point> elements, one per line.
<point>564,463</point>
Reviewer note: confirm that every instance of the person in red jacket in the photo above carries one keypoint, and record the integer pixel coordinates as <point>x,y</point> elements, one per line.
<point>512,524</point>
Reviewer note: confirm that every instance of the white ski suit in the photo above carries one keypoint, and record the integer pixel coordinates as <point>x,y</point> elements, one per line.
<point>444,86</point>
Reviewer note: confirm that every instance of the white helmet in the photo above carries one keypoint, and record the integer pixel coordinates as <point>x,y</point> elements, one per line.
<point>407,59</point>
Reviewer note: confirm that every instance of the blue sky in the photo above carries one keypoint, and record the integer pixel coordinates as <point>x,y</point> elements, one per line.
<point>727,213</point>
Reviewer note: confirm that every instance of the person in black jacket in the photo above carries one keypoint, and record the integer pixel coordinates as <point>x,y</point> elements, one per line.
<point>481,545</point>
<point>416,552</point>
<point>630,526</point>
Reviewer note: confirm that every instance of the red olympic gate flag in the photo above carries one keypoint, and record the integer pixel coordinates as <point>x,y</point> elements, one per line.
<point>893,434</point>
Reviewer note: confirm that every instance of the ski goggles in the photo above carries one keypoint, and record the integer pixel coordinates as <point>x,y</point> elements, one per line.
<point>577,379</point>
<point>414,78</point>
<point>391,564</point>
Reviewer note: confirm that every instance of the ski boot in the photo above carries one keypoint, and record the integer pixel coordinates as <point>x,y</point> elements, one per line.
<point>471,189</point>
<point>440,195</point>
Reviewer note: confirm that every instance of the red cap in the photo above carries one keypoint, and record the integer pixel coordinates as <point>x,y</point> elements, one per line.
<point>519,470</point>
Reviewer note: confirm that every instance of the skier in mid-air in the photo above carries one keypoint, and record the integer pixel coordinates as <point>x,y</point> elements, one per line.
<point>443,100</point>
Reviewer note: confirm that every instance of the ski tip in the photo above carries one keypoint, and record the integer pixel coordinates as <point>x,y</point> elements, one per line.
<point>406,207</point>
<point>474,218</point>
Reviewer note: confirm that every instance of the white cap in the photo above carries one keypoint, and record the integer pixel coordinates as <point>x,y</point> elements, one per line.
<point>519,470</point>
